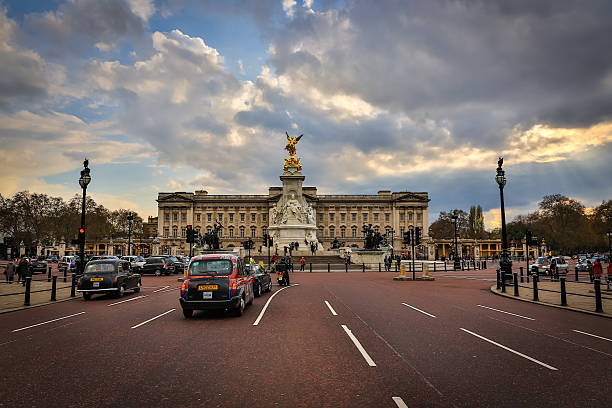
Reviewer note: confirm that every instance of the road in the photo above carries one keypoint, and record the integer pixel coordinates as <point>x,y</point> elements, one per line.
<point>332,340</point>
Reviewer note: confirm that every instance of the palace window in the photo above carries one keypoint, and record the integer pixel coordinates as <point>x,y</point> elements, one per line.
<point>174,232</point>
<point>410,217</point>
<point>264,217</point>
<point>231,216</point>
<point>175,217</point>
<point>241,217</point>
<point>343,232</point>
<point>241,232</point>
<point>184,217</point>
<point>342,217</point>
<point>253,230</point>
<point>231,232</point>
<point>166,232</point>
<point>220,217</point>
<point>208,229</point>
<point>387,217</point>
<point>252,217</point>
<point>209,217</point>
<point>167,217</point>
<point>419,217</point>
<point>401,217</point>
<point>331,217</point>
<point>198,217</point>
<point>320,217</point>
<point>354,217</point>
<point>354,232</point>
<point>401,232</point>
<point>375,217</point>
<point>365,218</point>
<point>183,233</point>
<point>331,232</point>
<point>264,231</point>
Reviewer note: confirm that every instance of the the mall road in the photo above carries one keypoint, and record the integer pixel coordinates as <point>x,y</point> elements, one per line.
<point>332,340</point>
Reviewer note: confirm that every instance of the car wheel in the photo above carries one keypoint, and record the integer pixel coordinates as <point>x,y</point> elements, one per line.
<point>121,291</point>
<point>157,272</point>
<point>257,290</point>
<point>240,309</point>
<point>137,288</point>
<point>187,313</point>
<point>86,296</point>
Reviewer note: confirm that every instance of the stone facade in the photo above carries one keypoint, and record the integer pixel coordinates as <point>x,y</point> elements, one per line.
<point>244,216</point>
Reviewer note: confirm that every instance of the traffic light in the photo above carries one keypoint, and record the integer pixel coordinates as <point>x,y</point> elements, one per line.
<point>528,237</point>
<point>81,237</point>
<point>190,235</point>
<point>270,241</point>
<point>265,240</point>
<point>418,235</point>
<point>406,237</point>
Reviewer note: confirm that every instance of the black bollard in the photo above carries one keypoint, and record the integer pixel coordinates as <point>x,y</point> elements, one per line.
<point>379,267</point>
<point>503,281</point>
<point>444,266</point>
<point>346,267</point>
<point>49,275</point>
<point>535,288</point>
<point>363,267</point>
<point>328,267</point>
<point>65,272</point>
<point>54,288</point>
<point>485,264</point>
<point>576,272</point>
<point>527,276</point>
<point>598,307</point>
<point>498,281</point>
<point>516,293</point>
<point>462,265</point>
<point>522,275</point>
<point>396,266</point>
<point>563,293</point>
<point>73,286</point>
<point>310,266</point>
<point>28,283</point>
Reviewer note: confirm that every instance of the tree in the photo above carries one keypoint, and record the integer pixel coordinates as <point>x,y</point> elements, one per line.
<point>475,223</point>
<point>444,226</point>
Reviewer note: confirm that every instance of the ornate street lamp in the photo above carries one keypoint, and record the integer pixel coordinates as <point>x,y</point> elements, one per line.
<point>456,263</point>
<point>392,232</point>
<point>84,180</point>
<point>505,264</point>
<point>130,219</point>
<point>609,234</point>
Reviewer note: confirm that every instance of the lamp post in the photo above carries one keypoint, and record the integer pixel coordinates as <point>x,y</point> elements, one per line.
<point>130,219</point>
<point>392,232</point>
<point>456,264</point>
<point>83,182</point>
<point>609,234</point>
<point>505,264</point>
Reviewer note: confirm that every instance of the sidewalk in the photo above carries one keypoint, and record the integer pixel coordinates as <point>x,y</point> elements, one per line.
<point>580,296</point>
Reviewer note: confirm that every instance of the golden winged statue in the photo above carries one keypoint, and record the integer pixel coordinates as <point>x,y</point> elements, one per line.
<point>292,160</point>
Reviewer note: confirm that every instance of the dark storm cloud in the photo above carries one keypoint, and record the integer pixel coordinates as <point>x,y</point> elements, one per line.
<point>484,66</point>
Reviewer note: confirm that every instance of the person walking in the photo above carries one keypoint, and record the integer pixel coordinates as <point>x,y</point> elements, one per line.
<point>597,269</point>
<point>23,270</point>
<point>609,276</point>
<point>589,267</point>
<point>553,269</point>
<point>302,263</point>
<point>10,271</point>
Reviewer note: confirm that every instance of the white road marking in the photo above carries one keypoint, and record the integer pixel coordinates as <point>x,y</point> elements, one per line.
<point>418,310</point>
<point>162,288</point>
<point>589,334</point>
<point>510,350</point>
<point>364,353</point>
<point>501,311</point>
<point>50,321</point>
<point>268,302</point>
<point>399,402</point>
<point>127,300</point>
<point>331,308</point>
<point>153,318</point>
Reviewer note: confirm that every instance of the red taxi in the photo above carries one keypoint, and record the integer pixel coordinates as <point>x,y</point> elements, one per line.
<point>216,282</point>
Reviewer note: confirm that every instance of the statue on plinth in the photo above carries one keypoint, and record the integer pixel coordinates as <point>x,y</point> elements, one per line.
<point>292,160</point>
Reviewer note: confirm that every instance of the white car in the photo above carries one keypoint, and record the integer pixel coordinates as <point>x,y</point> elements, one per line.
<point>136,261</point>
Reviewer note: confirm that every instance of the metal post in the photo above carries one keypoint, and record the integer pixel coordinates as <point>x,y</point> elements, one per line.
<point>535,288</point>
<point>576,272</point>
<point>379,270</point>
<point>598,307</point>
<point>49,275</point>
<point>363,267</point>
<point>435,266</point>
<point>54,288</point>
<point>65,272</point>
<point>516,292</point>
<point>444,265</point>
<point>485,264</point>
<point>503,281</point>
<point>28,282</point>
<point>522,275</point>
<point>73,286</point>
<point>328,267</point>
<point>346,267</point>
<point>310,266</point>
<point>563,293</point>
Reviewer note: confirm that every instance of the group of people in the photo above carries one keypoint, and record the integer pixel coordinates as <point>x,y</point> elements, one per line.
<point>596,270</point>
<point>19,267</point>
<point>388,262</point>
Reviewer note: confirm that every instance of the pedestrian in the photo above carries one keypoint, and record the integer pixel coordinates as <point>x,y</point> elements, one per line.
<point>590,269</point>
<point>553,269</point>
<point>597,269</point>
<point>302,263</point>
<point>23,270</point>
<point>609,277</point>
<point>10,271</point>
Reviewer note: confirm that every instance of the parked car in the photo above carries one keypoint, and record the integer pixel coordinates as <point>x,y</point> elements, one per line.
<point>262,282</point>
<point>156,265</point>
<point>108,276</point>
<point>584,265</point>
<point>52,259</point>
<point>562,266</point>
<point>137,262</point>
<point>216,281</point>
<point>98,257</point>
<point>175,265</point>
<point>38,265</point>
<point>540,266</point>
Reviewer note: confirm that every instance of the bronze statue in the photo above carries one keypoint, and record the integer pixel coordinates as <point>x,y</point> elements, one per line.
<point>292,160</point>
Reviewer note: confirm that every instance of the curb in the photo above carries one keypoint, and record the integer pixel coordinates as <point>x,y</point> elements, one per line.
<point>16,309</point>
<point>493,290</point>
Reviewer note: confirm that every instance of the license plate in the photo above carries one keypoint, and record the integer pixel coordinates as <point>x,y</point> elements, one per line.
<point>96,284</point>
<point>172,267</point>
<point>96,279</point>
<point>208,287</point>
<point>206,295</point>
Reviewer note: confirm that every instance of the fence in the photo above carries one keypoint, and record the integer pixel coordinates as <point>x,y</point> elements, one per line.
<point>27,284</point>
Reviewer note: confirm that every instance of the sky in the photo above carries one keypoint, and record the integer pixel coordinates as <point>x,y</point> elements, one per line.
<point>401,95</point>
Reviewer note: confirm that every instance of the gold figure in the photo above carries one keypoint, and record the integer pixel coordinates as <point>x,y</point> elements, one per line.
<point>292,160</point>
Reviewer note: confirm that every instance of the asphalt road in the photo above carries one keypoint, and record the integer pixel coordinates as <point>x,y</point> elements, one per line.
<point>423,344</point>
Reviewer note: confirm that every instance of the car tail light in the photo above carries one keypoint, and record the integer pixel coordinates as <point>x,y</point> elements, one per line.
<point>79,282</point>
<point>165,265</point>
<point>115,280</point>
<point>184,287</point>
<point>234,287</point>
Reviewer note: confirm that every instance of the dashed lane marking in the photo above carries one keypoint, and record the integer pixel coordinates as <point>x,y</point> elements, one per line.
<point>162,288</point>
<point>49,321</point>
<point>399,402</point>
<point>511,350</point>
<point>501,311</point>
<point>593,335</point>
<point>418,310</point>
<point>128,300</point>
<point>357,344</point>
<point>331,309</point>
<point>153,318</point>
<point>268,302</point>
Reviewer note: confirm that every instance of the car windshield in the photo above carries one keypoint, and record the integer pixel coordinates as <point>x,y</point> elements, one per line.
<point>154,260</point>
<point>211,267</point>
<point>140,259</point>
<point>541,260</point>
<point>100,268</point>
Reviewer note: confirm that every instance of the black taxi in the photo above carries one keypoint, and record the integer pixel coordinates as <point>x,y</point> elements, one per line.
<point>108,276</point>
<point>216,281</point>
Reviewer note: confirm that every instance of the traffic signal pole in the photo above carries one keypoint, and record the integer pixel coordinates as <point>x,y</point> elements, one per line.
<point>412,239</point>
